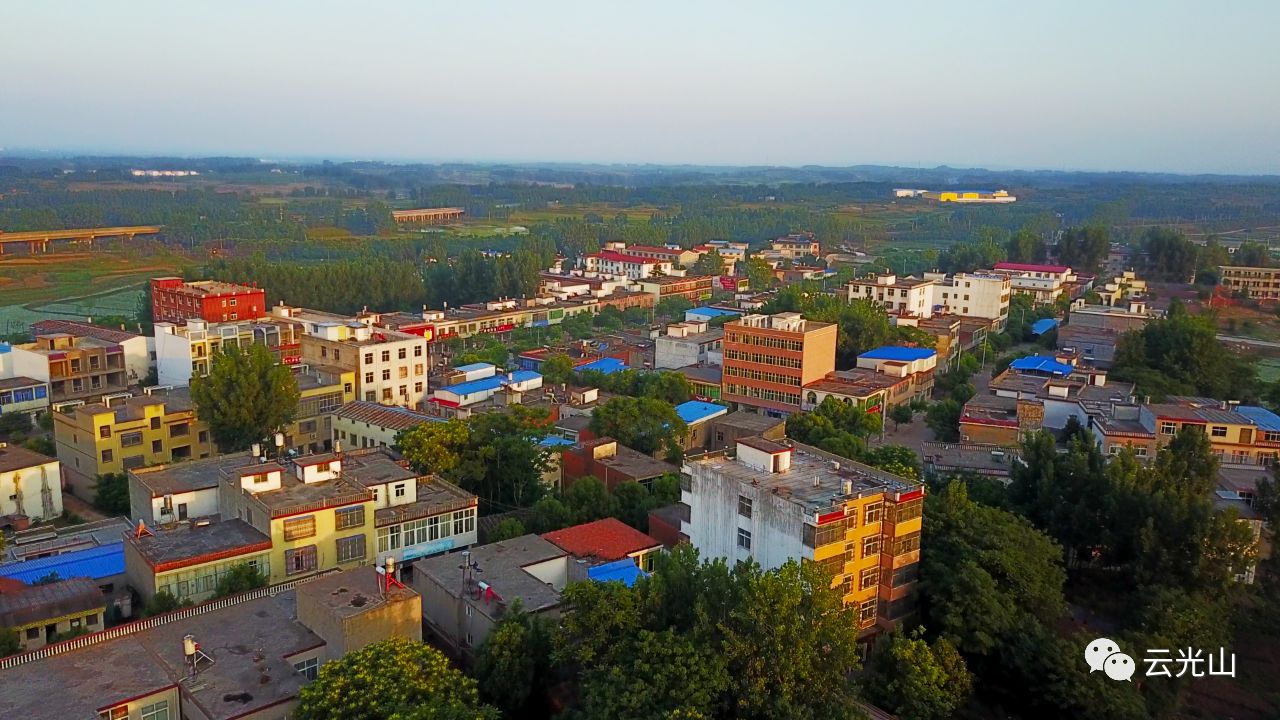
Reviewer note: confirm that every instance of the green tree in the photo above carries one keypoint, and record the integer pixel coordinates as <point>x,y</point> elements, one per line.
<point>1026,246</point>
<point>163,602</point>
<point>691,680</point>
<point>1083,248</point>
<point>673,308</point>
<point>550,513</point>
<point>434,447</point>
<point>10,643</point>
<point>14,423</point>
<point>513,666</point>
<point>759,274</point>
<point>394,678</point>
<point>943,418</point>
<point>588,499</point>
<point>709,263</point>
<point>241,577</point>
<point>246,396</point>
<point>111,493</point>
<point>917,681</point>
<point>507,529</point>
<point>901,414</point>
<point>643,424</point>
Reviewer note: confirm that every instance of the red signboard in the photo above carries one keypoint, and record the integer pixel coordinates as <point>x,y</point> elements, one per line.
<point>917,493</point>
<point>728,283</point>
<point>291,359</point>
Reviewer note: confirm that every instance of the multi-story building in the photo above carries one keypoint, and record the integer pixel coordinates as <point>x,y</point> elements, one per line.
<point>688,343</point>
<point>796,246</point>
<point>1127,315</point>
<point>885,377</point>
<point>978,294</point>
<point>75,368</point>
<point>246,657</point>
<point>676,256</point>
<point>1258,283</point>
<point>173,300</point>
<point>415,515</point>
<point>23,395</point>
<point>125,433</point>
<point>390,366</point>
<point>188,559</point>
<point>186,350</point>
<point>898,295</point>
<point>694,288</point>
<point>30,485</point>
<point>1123,287</point>
<point>773,503</point>
<point>138,349</point>
<point>1044,283</point>
<point>1238,434</point>
<point>322,390</point>
<point>612,262</point>
<point>768,359</point>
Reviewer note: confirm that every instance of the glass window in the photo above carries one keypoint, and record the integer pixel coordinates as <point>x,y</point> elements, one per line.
<point>350,548</point>
<point>1219,431</point>
<point>104,431</point>
<point>107,456</point>
<point>308,668</point>
<point>872,513</point>
<point>1168,428</point>
<point>744,506</point>
<point>417,351</point>
<point>386,356</point>
<point>402,353</point>
<point>368,358</point>
<point>744,539</point>
<point>389,538</point>
<point>156,711</point>
<point>300,560</point>
<point>116,713</point>
<point>867,578</point>
<point>399,490</point>
<point>344,518</point>
<point>871,546</point>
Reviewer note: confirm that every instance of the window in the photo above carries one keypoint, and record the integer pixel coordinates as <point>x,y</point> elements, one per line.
<point>871,546</point>
<point>417,369</point>
<point>308,668</point>
<point>829,533</point>
<point>346,387</point>
<point>905,575</point>
<point>116,713</point>
<point>107,456</point>
<point>386,393</point>
<point>1168,428</point>
<point>404,391</point>
<point>386,356</point>
<point>386,374</point>
<point>399,490</point>
<point>368,377</point>
<point>867,612</point>
<point>324,352</point>
<point>368,358</point>
<point>104,431</point>
<point>872,513</point>
<point>906,544</point>
<point>1219,431</point>
<point>370,395</point>
<point>131,439</point>
<point>300,560</point>
<point>402,372</point>
<point>348,517</point>
<point>464,521</point>
<point>203,436</point>
<point>157,446</point>
<point>155,423</point>
<point>402,353</point>
<point>867,578</point>
<point>417,351</point>
<point>388,538</point>
<point>33,633</point>
<point>744,506</point>
<point>417,387</point>
<point>156,711</point>
<point>744,539</point>
<point>350,548</point>
<point>299,527</point>
<point>179,430</point>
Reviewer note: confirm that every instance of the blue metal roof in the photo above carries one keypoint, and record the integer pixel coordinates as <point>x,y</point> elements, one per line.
<point>473,367</point>
<point>1262,417</point>
<point>624,571</point>
<point>895,352</point>
<point>554,441</point>
<point>490,383</point>
<point>99,562</point>
<point>1041,364</point>
<point>696,411</point>
<point>1041,327</point>
<point>710,312</point>
<point>606,365</point>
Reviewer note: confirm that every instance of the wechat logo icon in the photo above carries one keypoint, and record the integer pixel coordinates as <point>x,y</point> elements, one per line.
<point>1103,654</point>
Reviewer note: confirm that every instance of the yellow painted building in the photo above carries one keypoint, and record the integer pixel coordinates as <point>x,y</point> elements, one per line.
<point>123,433</point>
<point>316,518</point>
<point>322,389</point>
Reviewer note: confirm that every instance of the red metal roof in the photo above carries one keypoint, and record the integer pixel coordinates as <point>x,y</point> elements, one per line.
<point>607,539</point>
<point>1027,267</point>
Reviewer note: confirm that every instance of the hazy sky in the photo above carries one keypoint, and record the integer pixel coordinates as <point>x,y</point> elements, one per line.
<point>1136,85</point>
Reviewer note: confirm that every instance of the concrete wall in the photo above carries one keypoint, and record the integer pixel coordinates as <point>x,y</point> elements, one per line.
<point>776,525</point>
<point>173,358</point>
<point>39,488</point>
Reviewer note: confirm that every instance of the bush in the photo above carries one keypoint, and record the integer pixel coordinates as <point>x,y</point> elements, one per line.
<point>15,423</point>
<point>162,603</point>
<point>242,577</point>
<point>111,493</point>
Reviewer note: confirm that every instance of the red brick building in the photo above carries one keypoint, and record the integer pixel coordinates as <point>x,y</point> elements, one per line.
<point>173,300</point>
<point>610,462</point>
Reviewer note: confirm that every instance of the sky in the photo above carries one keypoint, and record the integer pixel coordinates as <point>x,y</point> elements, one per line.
<point>1138,85</point>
